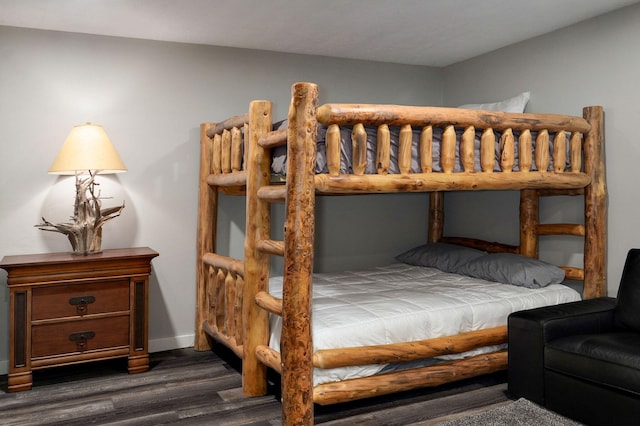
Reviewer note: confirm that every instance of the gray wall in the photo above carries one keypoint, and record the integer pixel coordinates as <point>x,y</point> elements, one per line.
<point>151,97</point>
<point>593,63</point>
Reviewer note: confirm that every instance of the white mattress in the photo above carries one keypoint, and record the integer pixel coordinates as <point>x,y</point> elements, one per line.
<point>402,303</point>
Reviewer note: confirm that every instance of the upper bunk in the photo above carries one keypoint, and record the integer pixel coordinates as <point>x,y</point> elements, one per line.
<point>394,148</point>
<point>364,148</point>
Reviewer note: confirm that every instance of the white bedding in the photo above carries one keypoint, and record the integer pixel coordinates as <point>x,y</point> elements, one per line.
<point>402,303</point>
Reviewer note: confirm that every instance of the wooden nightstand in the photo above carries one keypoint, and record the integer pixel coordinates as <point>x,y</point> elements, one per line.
<point>67,309</point>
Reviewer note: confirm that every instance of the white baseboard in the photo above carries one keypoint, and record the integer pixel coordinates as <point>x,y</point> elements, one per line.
<point>155,345</point>
<point>168,343</point>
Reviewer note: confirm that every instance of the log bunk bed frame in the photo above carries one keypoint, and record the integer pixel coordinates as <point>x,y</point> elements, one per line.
<point>233,302</point>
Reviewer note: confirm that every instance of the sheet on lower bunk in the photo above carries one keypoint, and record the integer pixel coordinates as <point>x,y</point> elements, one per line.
<point>279,163</point>
<point>402,303</point>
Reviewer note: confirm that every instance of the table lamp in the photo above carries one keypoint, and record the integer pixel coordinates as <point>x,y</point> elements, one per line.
<point>86,152</point>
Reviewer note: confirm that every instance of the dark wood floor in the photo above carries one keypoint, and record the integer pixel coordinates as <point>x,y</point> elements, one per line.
<point>187,387</point>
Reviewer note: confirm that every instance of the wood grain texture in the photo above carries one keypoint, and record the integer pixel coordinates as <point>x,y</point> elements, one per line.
<point>207,220</point>
<point>595,199</point>
<point>255,321</point>
<point>399,115</point>
<point>296,343</point>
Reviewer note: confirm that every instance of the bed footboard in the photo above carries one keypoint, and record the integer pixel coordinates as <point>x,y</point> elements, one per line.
<point>403,380</point>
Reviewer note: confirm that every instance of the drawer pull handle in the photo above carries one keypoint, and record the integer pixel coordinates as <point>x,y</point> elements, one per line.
<point>82,338</point>
<point>81,303</point>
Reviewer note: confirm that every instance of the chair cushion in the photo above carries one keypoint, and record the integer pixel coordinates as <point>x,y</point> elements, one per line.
<point>610,359</point>
<point>627,311</point>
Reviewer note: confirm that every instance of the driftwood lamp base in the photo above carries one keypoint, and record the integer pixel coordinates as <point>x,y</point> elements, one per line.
<point>85,230</point>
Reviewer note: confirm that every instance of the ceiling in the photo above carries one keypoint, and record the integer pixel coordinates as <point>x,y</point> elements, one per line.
<point>419,32</point>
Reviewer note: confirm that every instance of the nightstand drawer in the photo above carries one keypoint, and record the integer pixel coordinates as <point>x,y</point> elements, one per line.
<point>60,301</point>
<point>79,336</point>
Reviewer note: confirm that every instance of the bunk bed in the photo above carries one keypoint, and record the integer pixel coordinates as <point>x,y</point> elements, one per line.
<point>393,149</point>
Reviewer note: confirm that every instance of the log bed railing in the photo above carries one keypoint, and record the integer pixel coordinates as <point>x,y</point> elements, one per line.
<point>233,299</point>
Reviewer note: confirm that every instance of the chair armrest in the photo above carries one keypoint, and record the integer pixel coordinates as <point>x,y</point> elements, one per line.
<point>566,319</point>
<point>529,331</point>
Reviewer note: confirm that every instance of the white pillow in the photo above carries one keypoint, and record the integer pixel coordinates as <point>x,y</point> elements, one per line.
<point>515,104</point>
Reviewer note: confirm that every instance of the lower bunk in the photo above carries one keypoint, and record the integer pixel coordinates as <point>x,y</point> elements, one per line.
<point>362,320</point>
<point>436,316</point>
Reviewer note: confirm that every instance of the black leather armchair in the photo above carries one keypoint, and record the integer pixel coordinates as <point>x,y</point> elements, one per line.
<point>582,359</point>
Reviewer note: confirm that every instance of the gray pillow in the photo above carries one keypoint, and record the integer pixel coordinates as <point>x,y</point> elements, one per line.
<point>515,269</point>
<point>446,257</point>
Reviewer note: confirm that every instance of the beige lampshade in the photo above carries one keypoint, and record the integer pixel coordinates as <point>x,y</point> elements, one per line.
<point>87,148</point>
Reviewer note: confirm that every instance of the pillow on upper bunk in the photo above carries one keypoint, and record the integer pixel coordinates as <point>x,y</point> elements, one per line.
<point>444,256</point>
<point>510,268</point>
<point>514,104</point>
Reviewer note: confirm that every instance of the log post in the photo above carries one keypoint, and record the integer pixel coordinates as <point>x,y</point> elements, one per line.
<point>333,149</point>
<point>359,149</point>
<point>487,150</point>
<point>383,151</point>
<point>225,155</point>
<point>237,314</point>
<point>219,299</point>
<point>436,216</point>
<point>207,211</point>
<point>542,151</point>
<point>404,149</point>
<point>236,149</point>
<point>426,149</point>
<point>595,200</point>
<point>507,151</point>
<point>258,227</point>
<point>216,154</point>
<point>559,152</point>
<point>230,300</point>
<point>525,151</point>
<point>467,157</point>
<point>529,221</point>
<point>448,149</point>
<point>576,152</point>
<point>296,342</point>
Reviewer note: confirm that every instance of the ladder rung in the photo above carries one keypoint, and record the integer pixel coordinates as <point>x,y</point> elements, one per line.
<point>573,273</point>
<point>272,193</point>
<point>273,139</point>
<point>271,247</point>
<point>561,229</point>
<point>269,303</point>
